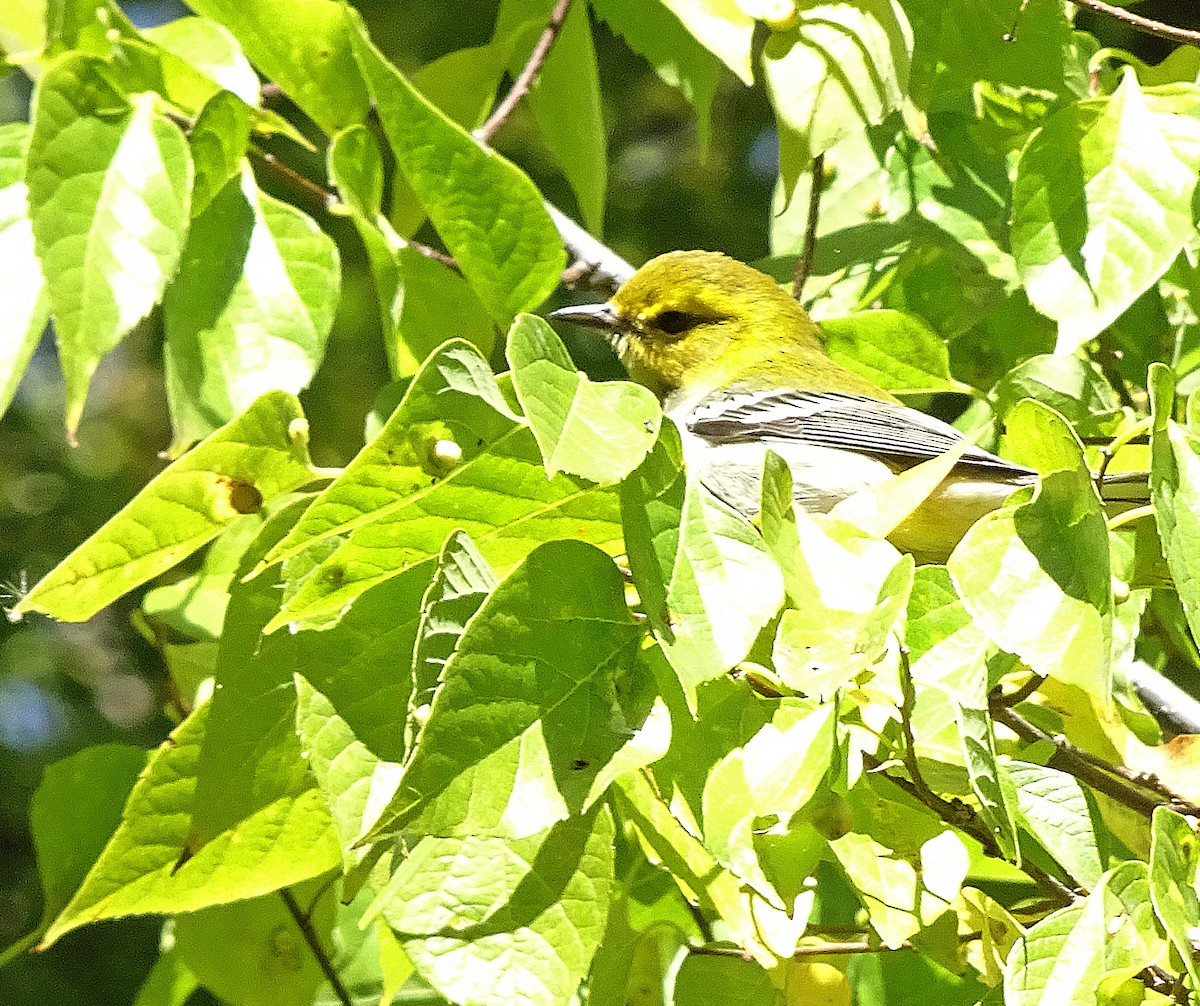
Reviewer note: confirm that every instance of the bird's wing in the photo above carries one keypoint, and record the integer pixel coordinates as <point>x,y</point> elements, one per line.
<point>829,419</point>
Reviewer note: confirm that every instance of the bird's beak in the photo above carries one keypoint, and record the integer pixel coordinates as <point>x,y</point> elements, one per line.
<point>602,316</point>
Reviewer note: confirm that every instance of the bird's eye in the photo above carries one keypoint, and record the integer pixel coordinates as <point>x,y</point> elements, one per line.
<point>675,322</point>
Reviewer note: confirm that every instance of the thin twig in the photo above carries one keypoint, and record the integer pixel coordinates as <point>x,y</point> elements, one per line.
<point>963,817</point>
<point>908,698</point>
<point>1021,694</point>
<point>525,79</point>
<point>314,944</point>
<point>318,192</point>
<point>1142,24</point>
<point>327,198</point>
<point>1138,792</point>
<point>804,263</point>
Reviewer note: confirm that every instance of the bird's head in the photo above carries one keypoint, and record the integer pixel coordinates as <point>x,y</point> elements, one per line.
<point>692,321</point>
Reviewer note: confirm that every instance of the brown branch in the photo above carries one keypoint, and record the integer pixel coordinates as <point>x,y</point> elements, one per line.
<point>1143,24</point>
<point>960,815</point>
<point>1010,699</point>
<point>1140,793</point>
<point>314,944</point>
<point>804,263</point>
<point>524,81</point>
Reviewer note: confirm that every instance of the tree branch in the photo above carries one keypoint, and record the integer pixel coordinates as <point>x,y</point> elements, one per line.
<point>314,944</point>
<point>805,262</point>
<point>1142,24</point>
<point>960,815</point>
<point>593,261</point>
<point>1139,793</point>
<point>525,79</point>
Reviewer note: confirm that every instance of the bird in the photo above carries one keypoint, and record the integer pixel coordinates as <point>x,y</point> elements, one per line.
<point>740,367</point>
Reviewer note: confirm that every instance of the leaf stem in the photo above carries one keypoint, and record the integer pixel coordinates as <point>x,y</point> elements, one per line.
<point>304,923</point>
<point>804,263</point>
<point>529,72</point>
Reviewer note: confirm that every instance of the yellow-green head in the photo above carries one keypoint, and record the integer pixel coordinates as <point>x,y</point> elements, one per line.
<point>690,322</point>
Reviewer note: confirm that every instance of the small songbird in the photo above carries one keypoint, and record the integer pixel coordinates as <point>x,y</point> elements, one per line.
<point>740,367</point>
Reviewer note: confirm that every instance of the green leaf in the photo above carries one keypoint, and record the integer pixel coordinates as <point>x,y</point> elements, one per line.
<point>211,49</point>
<point>1054,809</point>
<point>978,738</point>
<point>421,301</point>
<point>434,302</point>
<point>507,246</point>
<point>218,141</point>
<point>712,887</point>
<point>74,813</point>
<point>461,584</point>
<point>22,289</point>
<point>1073,387</point>
<point>82,25</point>
<point>494,921</point>
<point>1084,243</point>
<point>238,469</point>
<point>843,66</point>
<point>357,785</point>
<point>522,724</point>
<point>980,40</point>
<point>109,188</point>
<point>947,652</point>
<point>723,28</point>
<point>250,310</point>
<point>658,36</point>
<point>1081,952</point>
<point>452,456</point>
<point>761,785</point>
<point>194,607</point>
<point>894,894</point>
<point>846,592</point>
<point>854,189</point>
<point>252,763</point>
<point>23,29</point>
<point>897,351</point>
<point>598,431</point>
<point>726,981</point>
<point>906,867</point>
<point>1035,576</point>
<point>565,101</point>
<point>702,572</point>
<point>170,982</point>
<point>1175,490</point>
<point>139,872</point>
<point>252,953</point>
<point>1059,960</point>
<point>312,60</point>
<point>1174,852</point>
